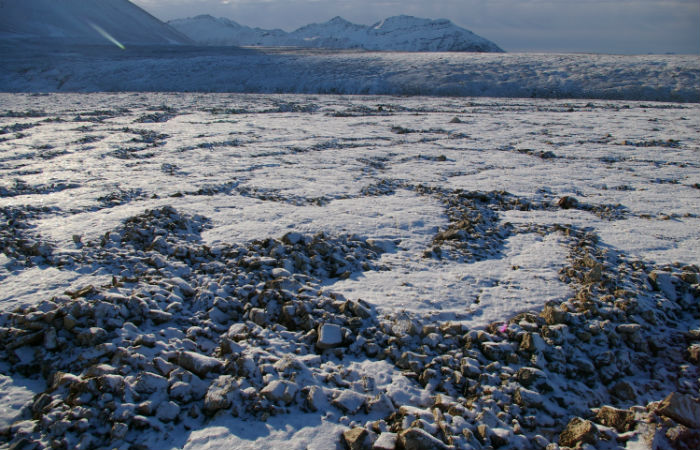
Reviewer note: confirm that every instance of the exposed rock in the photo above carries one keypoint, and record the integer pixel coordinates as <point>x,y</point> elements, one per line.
<point>528,399</point>
<point>315,399</point>
<point>567,202</point>
<point>527,376</point>
<point>385,441</point>
<point>553,315</point>
<point>349,402</point>
<point>357,439</point>
<point>681,408</point>
<point>624,391</point>
<point>620,419</point>
<point>198,363</point>
<point>217,397</point>
<point>280,391</point>
<point>148,383</point>
<point>578,431</point>
<point>419,439</point>
<point>329,335</point>
<point>167,411</point>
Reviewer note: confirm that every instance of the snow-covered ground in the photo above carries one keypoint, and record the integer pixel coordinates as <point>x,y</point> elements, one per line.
<point>45,67</point>
<point>433,211</point>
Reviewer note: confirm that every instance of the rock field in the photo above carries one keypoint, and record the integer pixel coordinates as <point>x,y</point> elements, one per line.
<point>182,328</point>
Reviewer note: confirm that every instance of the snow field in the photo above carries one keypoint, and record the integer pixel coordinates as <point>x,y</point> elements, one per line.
<point>201,217</point>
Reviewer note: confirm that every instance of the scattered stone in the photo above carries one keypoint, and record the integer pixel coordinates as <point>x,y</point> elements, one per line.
<point>280,391</point>
<point>357,439</point>
<point>349,401</point>
<point>567,202</point>
<point>419,439</point>
<point>620,419</point>
<point>681,408</point>
<point>385,441</point>
<point>198,363</point>
<point>167,411</point>
<point>578,431</point>
<point>329,335</point>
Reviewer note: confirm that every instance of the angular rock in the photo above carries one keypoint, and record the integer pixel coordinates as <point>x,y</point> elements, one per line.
<point>578,431</point>
<point>624,391</point>
<point>385,441</point>
<point>681,408</point>
<point>217,397</point>
<point>315,399</point>
<point>496,351</point>
<point>620,419</point>
<point>91,337</point>
<point>532,342</point>
<point>419,439</point>
<point>148,383</point>
<point>553,315</point>
<point>349,402</point>
<point>167,411</point>
<point>329,335</point>
<point>527,376</point>
<point>567,202</point>
<point>357,439</point>
<point>198,364</point>
<point>528,399</point>
<point>280,391</point>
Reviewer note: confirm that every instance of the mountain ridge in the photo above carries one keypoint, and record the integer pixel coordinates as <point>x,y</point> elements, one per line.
<point>396,33</point>
<point>84,22</point>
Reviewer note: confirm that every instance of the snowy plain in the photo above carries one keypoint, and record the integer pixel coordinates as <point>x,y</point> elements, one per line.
<point>261,166</point>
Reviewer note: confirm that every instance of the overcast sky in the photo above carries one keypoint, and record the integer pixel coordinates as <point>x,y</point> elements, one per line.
<point>600,26</point>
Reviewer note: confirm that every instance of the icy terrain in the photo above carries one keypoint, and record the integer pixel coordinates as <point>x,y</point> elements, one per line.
<point>246,271</point>
<point>398,33</point>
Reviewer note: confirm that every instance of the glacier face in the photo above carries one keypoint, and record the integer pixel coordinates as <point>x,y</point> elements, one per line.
<point>399,33</point>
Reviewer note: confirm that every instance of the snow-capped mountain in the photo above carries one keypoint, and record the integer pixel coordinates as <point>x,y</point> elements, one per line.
<point>399,33</point>
<point>82,21</point>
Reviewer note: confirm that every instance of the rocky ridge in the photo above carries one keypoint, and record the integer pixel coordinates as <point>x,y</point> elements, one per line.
<point>186,332</point>
<point>398,33</point>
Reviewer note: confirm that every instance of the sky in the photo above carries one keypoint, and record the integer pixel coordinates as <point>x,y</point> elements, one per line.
<point>590,26</point>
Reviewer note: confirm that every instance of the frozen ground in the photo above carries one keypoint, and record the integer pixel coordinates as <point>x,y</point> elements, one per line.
<point>433,211</point>
<point>45,67</point>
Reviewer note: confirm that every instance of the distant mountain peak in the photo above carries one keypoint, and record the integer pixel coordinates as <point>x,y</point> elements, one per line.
<point>396,33</point>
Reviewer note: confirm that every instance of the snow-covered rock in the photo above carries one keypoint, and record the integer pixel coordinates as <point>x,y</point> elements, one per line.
<point>84,22</point>
<point>398,33</point>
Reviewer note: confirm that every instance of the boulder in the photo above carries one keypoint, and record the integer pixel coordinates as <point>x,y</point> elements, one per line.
<point>578,431</point>
<point>419,439</point>
<point>329,335</point>
<point>357,439</point>
<point>385,441</point>
<point>198,364</point>
<point>620,419</point>
<point>681,408</point>
<point>280,391</point>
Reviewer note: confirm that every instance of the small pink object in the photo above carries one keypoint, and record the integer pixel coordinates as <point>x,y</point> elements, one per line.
<point>503,328</point>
